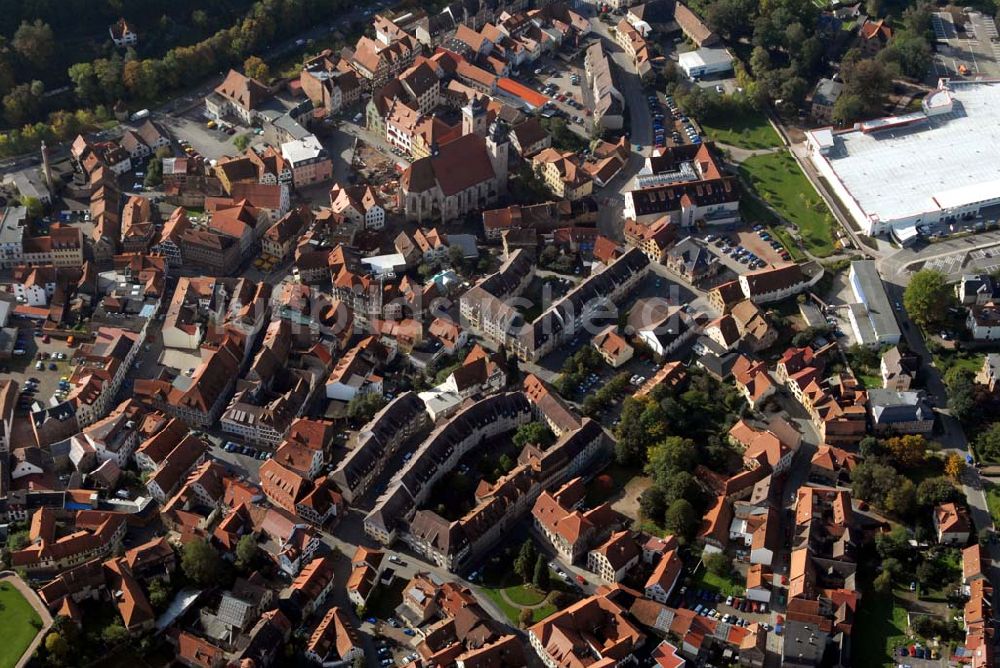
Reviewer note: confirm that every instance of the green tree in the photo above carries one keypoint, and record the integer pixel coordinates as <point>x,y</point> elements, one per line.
<point>894,545</point>
<point>525,617</point>
<point>22,104</point>
<point>901,500</point>
<point>961,393</point>
<point>85,83</point>
<point>848,108</point>
<point>883,584</point>
<point>456,258</point>
<point>201,562</point>
<point>255,68</point>
<point>718,564</point>
<point>928,297</point>
<point>540,578</point>
<point>154,173</point>
<point>524,564</point>
<point>242,141</point>
<point>364,406</point>
<point>869,447</point>
<point>988,443</point>
<point>18,540</point>
<point>114,634</point>
<point>653,504</point>
<point>681,519</point>
<point>536,433</point>
<point>505,464</point>
<point>246,552</point>
<point>159,594</point>
<point>35,43</point>
<point>935,491</point>
<point>57,647</point>
<point>871,481</point>
<point>672,455</point>
<point>109,76</point>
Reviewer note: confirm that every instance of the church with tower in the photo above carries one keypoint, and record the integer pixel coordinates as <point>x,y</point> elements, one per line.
<point>465,175</point>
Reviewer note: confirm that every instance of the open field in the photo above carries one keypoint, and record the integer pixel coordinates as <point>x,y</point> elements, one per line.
<point>881,628</point>
<point>778,180</point>
<point>749,131</point>
<point>20,624</point>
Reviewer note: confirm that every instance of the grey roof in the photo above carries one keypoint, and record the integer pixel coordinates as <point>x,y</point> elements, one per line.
<point>889,407</point>
<point>827,91</point>
<point>11,225</point>
<point>869,289</point>
<point>371,450</point>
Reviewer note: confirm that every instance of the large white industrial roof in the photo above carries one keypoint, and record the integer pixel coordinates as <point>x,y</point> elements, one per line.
<point>941,161</point>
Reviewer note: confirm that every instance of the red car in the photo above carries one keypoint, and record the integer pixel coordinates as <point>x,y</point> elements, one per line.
<point>580,579</point>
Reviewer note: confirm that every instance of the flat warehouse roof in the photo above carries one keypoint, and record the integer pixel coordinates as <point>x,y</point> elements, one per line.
<point>704,56</point>
<point>945,161</point>
<point>867,280</point>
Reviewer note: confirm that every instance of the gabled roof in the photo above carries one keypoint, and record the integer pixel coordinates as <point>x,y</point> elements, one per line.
<point>242,90</point>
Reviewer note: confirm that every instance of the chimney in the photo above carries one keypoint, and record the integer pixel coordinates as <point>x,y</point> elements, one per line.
<point>47,169</point>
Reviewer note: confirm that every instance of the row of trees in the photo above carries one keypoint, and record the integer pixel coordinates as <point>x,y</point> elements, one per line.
<point>101,83</point>
<point>107,80</point>
<point>882,479</point>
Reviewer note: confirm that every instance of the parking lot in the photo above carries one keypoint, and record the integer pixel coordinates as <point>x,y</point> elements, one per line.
<point>671,127</point>
<point>745,250</point>
<point>966,45</point>
<point>53,356</point>
<point>212,143</point>
<point>565,85</point>
<point>734,610</point>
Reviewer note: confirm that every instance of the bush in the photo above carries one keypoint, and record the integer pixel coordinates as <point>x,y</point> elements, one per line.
<point>718,564</point>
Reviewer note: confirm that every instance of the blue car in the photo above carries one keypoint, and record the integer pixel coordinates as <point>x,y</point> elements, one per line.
<point>371,620</point>
<point>408,632</point>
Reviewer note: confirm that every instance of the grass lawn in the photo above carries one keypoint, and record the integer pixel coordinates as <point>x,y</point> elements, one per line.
<point>871,381</point>
<point>749,131</point>
<point>946,359</point>
<point>778,180</point>
<point>20,624</point>
<point>513,612</point>
<point>703,579</point>
<point>525,595</point>
<point>881,627</point>
<point>993,500</point>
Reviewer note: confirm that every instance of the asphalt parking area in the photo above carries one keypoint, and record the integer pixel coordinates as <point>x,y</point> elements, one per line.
<point>24,368</point>
<point>966,44</point>
<point>211,143</point>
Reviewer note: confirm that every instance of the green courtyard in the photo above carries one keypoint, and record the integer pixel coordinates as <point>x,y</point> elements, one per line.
<point>20,624</point>
<point>777,179</point>
<point>881,626</point>
<point>749,130</point>
<point>511,598</point>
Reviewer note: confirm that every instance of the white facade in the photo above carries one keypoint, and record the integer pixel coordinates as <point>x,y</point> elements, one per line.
<point>705,62</point>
